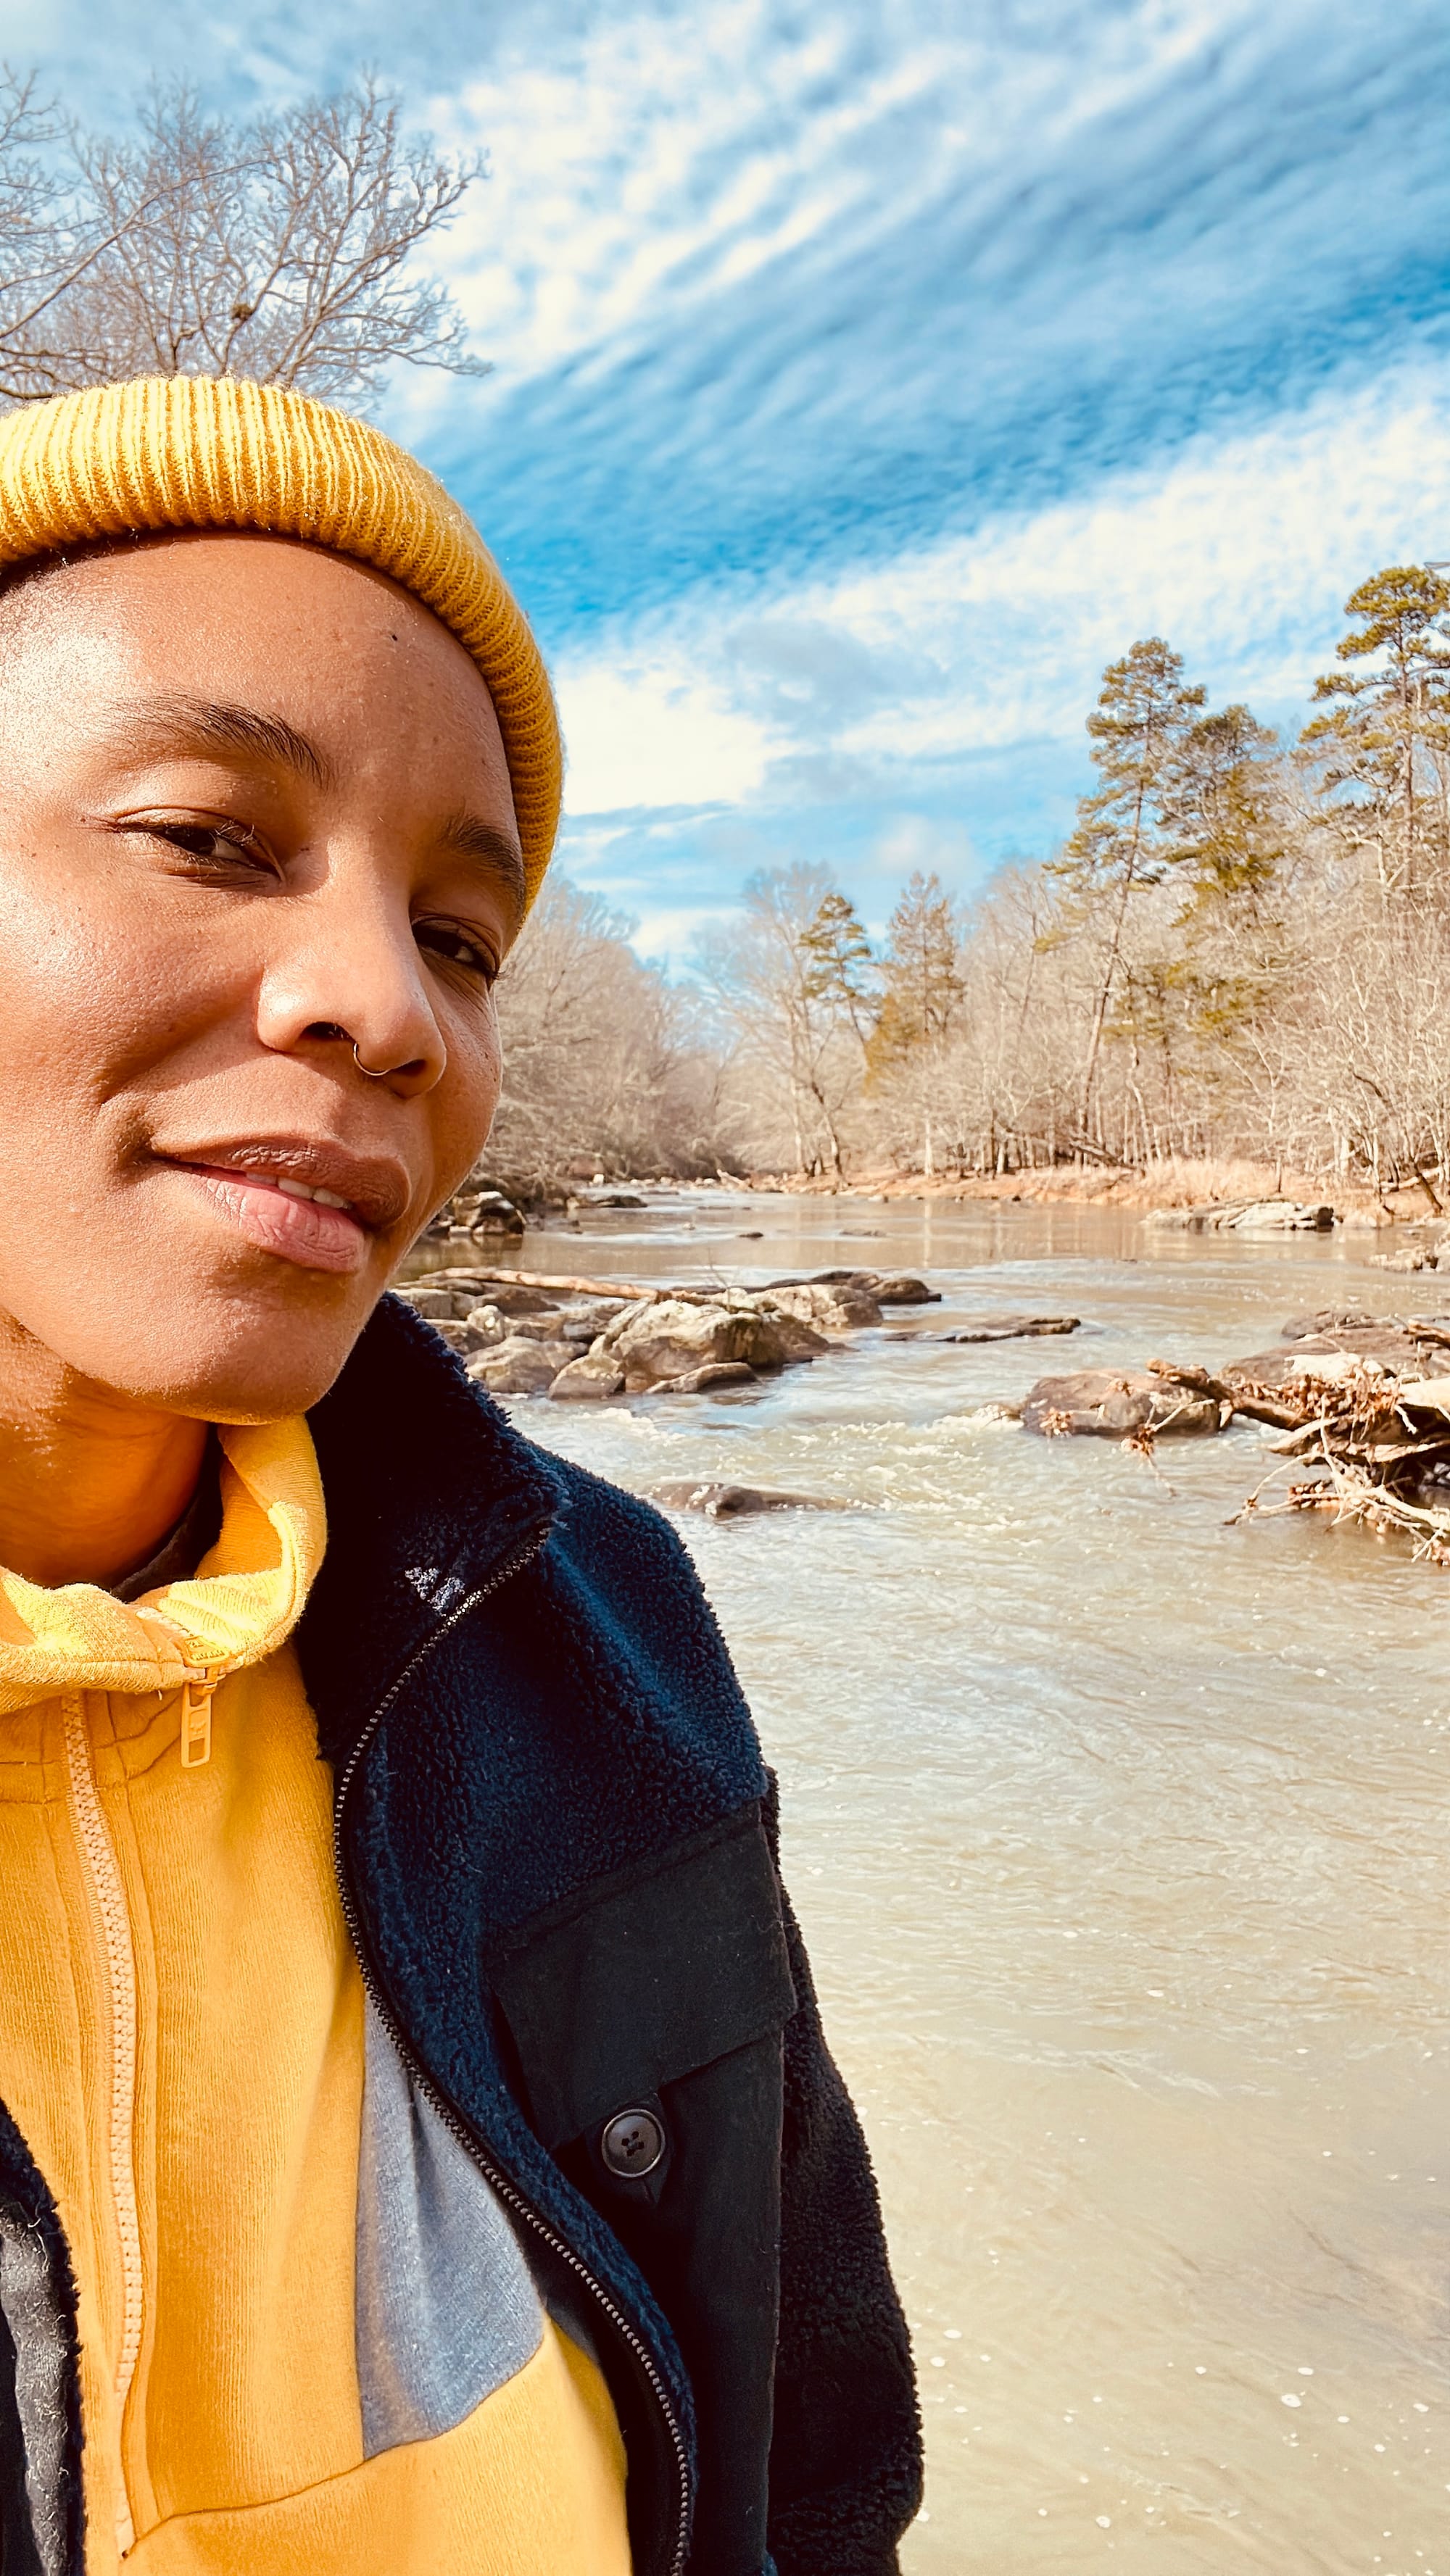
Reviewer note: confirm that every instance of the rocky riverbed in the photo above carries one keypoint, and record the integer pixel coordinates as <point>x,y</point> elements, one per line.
<point>580,1341</point>
<point>1119,1827</point>
<point>577,1342</point>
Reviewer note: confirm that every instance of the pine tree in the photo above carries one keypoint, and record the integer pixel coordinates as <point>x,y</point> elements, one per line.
<point>838,973</point>
<point>1387,737</point>
<point>1122,843</point>
<point>840,967</point>
<point>922,993</point>
<point>1222,807</point>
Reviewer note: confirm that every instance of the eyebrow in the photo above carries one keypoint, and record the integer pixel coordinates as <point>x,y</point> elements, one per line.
<point>179,722</point>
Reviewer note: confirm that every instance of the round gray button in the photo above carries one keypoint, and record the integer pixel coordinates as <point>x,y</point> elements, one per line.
<point>632,2143</point>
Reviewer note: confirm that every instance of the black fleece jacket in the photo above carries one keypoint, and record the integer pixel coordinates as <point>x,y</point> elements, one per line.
<point>555,1848</point>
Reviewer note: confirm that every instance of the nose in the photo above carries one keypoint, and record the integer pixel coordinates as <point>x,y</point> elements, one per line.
<point>352,979</point>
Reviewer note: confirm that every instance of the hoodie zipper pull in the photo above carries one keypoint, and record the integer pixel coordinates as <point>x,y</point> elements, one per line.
<point>198,1689</point>
<point>197,1693</point>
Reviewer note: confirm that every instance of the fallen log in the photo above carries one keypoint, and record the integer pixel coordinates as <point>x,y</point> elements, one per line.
<point>564,1282</point>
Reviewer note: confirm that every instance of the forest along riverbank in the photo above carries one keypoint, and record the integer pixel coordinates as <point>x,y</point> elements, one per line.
<point>1121,1838</point>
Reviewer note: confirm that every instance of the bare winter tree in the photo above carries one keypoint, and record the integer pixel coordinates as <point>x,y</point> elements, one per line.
<point>790,979</point>
<point>276,249</point>
<point>603,1060</point>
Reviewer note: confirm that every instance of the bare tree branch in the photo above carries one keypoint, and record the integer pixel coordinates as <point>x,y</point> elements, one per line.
<point>278,249</point>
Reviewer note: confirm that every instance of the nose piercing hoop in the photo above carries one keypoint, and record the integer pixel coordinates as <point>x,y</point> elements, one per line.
<point>375,1073</point>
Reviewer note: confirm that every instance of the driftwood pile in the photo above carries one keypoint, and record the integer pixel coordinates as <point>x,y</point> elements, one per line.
<point>1364,1410</point>
<point>1362,1405</point>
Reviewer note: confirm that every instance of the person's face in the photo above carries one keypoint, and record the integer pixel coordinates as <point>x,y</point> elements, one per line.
<point>254,812</point>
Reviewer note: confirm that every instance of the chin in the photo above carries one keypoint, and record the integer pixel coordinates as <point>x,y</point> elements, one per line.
<point>230,1366</point>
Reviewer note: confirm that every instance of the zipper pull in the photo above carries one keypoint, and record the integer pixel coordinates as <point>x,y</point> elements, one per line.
<point>197,1693</point>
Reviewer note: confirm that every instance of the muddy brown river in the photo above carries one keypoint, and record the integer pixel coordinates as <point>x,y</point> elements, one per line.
<point>1121,1838</point>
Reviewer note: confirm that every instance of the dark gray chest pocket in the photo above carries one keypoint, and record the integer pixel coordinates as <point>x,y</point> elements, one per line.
<point>645,1977</point>
<point>646,2016</point>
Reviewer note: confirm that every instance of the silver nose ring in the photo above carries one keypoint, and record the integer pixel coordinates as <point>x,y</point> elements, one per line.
<point>375,1073</point>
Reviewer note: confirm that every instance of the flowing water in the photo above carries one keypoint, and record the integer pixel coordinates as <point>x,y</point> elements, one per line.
<point>1121,1839</point>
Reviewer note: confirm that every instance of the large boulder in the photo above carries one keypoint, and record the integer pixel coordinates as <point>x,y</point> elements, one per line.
<point>519,1367</point>
<point>796,1341</point>
<point>457,1336</point>
<point>670,1337</point>
<point>559,1325</point>
<point>515,1299</point>
<point>586,1318</point>
<point>1113,1404</point>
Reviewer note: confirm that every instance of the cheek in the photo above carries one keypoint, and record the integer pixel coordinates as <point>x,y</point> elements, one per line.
<point>465,1100</point>
<point>88,1006</point>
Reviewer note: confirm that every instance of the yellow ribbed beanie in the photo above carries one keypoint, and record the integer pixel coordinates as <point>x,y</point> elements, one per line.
<point>202,452</point>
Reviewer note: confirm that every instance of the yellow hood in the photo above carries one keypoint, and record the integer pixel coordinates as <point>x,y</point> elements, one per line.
<point>243,1601</point>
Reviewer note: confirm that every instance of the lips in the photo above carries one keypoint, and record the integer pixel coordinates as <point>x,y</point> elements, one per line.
<point>311,1202</point>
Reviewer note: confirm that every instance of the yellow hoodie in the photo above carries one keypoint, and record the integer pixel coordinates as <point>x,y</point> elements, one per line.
<point>185,2046</point>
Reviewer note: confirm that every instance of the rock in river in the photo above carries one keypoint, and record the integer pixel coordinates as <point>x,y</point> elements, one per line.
<point>671,1337</point>
<point>832,1309</point>
<point>888,1287</point>
<point>1111,1404</point>
<point>517,1367</point>
<point>1331,1345</point>
<point>591,1379</point>
<point>733,1502</point>
<point>1012,1328</point>
<point>1248,1216</point>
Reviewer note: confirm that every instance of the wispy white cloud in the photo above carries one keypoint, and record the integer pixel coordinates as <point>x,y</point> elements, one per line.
<point>766,292</point>
<point>1241,550</point>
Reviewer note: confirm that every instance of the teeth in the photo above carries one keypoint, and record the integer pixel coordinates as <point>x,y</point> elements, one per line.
<point>324,1198</point>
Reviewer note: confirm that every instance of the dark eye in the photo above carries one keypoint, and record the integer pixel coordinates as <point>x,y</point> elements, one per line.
<point>444,940</point>
<point>215,845</point>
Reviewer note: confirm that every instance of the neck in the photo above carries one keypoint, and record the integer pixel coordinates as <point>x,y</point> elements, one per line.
<point>91,1480</point>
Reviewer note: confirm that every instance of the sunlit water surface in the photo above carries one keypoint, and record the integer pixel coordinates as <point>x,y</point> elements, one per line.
<point>1121,1839</point>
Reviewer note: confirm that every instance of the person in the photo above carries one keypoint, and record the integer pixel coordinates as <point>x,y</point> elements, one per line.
<point>419,2150</point>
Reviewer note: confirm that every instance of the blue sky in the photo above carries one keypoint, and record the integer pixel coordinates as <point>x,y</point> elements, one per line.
<point>866,377</point>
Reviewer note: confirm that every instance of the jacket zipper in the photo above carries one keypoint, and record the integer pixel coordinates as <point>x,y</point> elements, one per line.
<point>460,2128</point>
<point>109,1896</point>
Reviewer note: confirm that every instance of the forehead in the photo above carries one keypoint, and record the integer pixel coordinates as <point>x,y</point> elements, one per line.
<point>325,643</point>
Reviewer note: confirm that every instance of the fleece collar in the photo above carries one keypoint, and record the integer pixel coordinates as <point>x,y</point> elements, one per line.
<point>429,1491</point>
